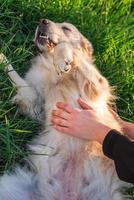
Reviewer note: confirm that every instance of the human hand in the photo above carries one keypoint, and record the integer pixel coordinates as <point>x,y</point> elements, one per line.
<point>82,123</point>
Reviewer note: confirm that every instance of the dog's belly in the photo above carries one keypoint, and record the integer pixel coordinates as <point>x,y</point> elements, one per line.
<point>71,176</point>
<point>83,178</point>
<point>67,174</point>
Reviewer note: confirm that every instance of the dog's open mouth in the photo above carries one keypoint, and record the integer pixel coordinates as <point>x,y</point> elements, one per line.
<point>44,38</point>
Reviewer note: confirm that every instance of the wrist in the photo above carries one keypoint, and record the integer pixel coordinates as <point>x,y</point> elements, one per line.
<point>125,126</point>
<point>128,129</point>
<point>102,132</point>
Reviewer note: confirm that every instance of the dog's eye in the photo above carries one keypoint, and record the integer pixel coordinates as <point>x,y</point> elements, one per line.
<point>66,28</point>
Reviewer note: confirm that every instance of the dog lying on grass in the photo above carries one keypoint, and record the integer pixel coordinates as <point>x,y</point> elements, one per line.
<point>65,168</point>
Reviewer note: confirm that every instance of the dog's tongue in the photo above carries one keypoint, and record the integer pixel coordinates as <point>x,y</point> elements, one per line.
<point>50,44</point>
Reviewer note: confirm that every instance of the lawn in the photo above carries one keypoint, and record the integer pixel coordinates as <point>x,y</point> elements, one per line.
<point>108,24</point>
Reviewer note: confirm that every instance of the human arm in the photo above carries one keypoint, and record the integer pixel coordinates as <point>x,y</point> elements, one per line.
<point>128,128</point>
<point>120,149</point>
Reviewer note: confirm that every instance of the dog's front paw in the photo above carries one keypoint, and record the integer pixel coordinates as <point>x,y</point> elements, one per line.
<point>63,66</point>
<point>25,95</point>
<point>24,103</point>
<point>63,58</point>
<point>16,99</point>
<point>29,107</point>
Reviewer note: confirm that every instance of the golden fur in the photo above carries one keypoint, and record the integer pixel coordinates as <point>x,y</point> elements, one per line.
<point>67,168</point>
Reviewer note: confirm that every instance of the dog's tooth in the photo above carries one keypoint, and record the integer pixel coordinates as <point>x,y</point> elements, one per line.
<point>44,36</point>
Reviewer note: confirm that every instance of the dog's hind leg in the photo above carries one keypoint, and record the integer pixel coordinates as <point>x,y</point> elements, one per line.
<point>19,186</point>
<point>101,185</point>
<point>13,75</point>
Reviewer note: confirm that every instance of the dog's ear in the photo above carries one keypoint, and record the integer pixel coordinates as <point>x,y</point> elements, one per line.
<point>87,47</point>
<point>91,91</point>
<point>99,87</point>
<point>95,85</point>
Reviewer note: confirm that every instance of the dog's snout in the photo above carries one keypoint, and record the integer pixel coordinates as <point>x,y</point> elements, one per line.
<point>44,21</point>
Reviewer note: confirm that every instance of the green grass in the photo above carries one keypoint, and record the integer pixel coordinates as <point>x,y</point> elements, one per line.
<point>109,24</point>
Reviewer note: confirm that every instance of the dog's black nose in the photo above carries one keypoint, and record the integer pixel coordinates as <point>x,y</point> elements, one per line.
<point>44,21</point>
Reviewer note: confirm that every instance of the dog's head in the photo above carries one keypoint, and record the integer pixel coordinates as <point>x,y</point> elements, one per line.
<point>49,34</point>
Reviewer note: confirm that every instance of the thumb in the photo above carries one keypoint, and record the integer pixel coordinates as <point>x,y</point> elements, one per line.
<point>84,105</point>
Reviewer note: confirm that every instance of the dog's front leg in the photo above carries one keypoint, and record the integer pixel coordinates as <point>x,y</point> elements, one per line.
<point>63,57</point>
<point>13,75</point>
<point>26,97</point>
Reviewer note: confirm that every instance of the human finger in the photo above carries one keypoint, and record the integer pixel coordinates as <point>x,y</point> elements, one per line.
<point>60,121</point>
<point>84,105</point>
<point>61,129</point>
<point>65,106</point>
<point>60,113</point>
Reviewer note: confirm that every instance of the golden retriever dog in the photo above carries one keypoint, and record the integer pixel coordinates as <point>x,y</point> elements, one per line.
<point>65,168</point>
